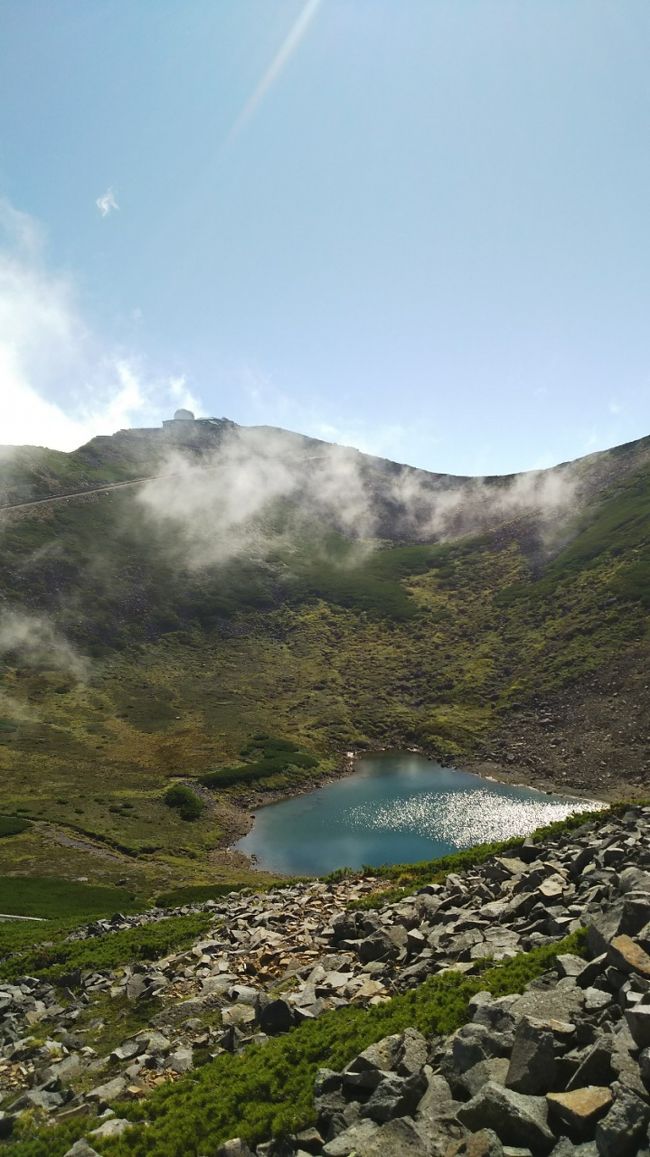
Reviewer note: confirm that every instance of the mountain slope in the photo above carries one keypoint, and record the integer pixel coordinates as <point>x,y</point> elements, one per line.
<point>260,581</point>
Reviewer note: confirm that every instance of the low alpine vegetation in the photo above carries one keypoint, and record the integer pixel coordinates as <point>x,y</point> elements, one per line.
<point>65,957</point>
<point>264,757</point>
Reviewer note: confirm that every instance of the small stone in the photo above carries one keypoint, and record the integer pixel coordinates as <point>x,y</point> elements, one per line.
<point>485,1143</point>
<point>112,1128</point>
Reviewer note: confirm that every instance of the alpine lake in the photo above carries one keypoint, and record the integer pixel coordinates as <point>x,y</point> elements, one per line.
<point>396,807</point>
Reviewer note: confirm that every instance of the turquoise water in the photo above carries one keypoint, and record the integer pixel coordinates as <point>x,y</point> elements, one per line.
<point>395,808</point>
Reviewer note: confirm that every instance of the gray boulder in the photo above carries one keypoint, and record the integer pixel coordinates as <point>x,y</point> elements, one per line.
<point>515,1118</point>
<point>532,1061</point>
<point>619,1134</point>
<point>378,946</point>
<point>394,1097</point>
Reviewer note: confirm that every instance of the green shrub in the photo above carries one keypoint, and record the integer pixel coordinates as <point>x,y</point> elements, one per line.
<point>186,802</point>
<point>12,825</point>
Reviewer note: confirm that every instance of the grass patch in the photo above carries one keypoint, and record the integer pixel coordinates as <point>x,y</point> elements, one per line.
<point>149,942</point>
<point>13,825</point>
<point>55,899</point>
<point>197,894</point>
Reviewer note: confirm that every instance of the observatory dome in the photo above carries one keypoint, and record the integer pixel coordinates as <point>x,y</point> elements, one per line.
<point>183,416</point>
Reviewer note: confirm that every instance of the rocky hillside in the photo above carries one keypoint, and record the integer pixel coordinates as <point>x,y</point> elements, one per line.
<point>500,1009</point>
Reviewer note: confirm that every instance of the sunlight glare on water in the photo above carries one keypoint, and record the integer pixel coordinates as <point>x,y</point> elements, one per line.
<point>462,818</point>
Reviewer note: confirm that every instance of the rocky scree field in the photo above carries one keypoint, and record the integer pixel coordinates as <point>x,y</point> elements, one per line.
<point>499,1008</point>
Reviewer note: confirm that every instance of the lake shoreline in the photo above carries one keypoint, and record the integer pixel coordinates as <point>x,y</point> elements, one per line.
<point>512,776</point>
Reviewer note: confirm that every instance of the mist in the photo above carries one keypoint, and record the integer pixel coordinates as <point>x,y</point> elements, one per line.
<point>263,488</point>
<point>37,642</point>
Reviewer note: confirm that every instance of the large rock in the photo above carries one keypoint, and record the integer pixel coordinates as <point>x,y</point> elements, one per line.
<point>515,1118</point>
<point>378,946</point>
<point>399,1138</point>
<point>129,1049</point>
<point>638,1020</point>
<point>595,1065</point>
<point>238,1015</point>
<point>532,1061</point>
<point>634,880</point>
<point>235,1147</point>
<point>382,1055</point>
<point>81,1148</point>
<point>602,928</point>
<point>435,1116</point>
<point>619,1134</point>
<point>471,1044</point>
<point>550,1003</point>
<point>114,1127</point>
<point>471,1082</point>
<point>110,1091</point>
<point>626,954</point>
<point>578,1111</point>
<point>350,1140</point>
<point>394,1097</point>
<point>276,1016</point>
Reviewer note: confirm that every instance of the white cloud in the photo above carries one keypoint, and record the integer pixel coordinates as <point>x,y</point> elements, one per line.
<point>107,203</point>
<point>59,383</point>
<point>615,407</point>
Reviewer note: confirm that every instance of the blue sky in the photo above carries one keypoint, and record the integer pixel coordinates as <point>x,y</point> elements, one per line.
<point>415,226</point>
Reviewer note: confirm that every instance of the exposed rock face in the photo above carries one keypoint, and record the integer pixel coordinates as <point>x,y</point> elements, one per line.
<point>566,1063</point>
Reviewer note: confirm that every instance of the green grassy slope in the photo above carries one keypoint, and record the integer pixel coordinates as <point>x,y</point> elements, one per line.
<point>323,641</point>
